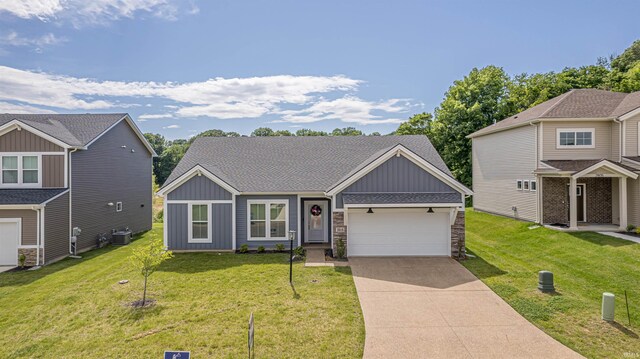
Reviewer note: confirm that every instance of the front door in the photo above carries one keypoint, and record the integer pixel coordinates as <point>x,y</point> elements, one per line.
<point>581,197</point>
<point>9,238</point>
<point>316,223</point>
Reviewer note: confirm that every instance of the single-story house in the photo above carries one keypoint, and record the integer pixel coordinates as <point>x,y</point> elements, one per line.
<point>380,195</point>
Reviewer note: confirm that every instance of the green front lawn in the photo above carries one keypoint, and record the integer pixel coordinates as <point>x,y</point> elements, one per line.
<point>76,308</point>
<point>585,265</point>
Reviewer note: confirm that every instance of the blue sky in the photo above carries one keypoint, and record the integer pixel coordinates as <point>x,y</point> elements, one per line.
<point>180,67</point>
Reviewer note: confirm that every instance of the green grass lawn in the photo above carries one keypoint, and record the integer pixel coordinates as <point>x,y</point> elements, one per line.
<point>585,265</point>
<point>76,308</point>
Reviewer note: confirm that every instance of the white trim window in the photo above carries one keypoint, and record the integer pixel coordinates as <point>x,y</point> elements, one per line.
<point>519,185</point>
<point>533,186</point>
<point>576,138</point>
<point>20,170</point>
<point>199,219</point>
<point>525,185</point>
<point>267,219</point>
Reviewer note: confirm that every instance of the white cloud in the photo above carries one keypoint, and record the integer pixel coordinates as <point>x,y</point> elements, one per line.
<point>12,38</point>
<point>347,109</point>
<point>147,116</point>
<point>81,12</point>
<point>215,98</point>
<point>171,127</point>
<point>6,107</point>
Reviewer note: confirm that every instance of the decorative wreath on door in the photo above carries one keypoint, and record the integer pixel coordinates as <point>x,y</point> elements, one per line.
<point>316,210</point>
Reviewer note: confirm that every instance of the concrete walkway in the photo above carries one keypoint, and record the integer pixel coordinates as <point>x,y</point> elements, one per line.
<point>416,307</point>
<point>6,268</point>
<point>621,236</point>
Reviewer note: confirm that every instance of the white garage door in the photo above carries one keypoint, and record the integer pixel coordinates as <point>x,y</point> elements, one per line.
<point>9,237</point>
<point>398,232</point>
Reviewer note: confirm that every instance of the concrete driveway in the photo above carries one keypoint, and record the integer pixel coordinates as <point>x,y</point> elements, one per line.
<point>417,307</point>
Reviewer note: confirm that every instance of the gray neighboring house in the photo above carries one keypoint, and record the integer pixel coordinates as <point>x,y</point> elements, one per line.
<point>381,195</point>
<point>60,172</point>
<point>572,160</point>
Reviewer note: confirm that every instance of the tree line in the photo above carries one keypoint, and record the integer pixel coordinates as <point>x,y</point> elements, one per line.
<point>481,98</point>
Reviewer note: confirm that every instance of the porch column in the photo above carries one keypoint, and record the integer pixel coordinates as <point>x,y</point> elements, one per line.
<point>623,203</point>
<point>573,204</point>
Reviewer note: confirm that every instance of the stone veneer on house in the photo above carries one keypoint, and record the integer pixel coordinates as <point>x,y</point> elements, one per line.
<point>339,232</point>
<point>458,242</point>
<point>31,256</point>
<point>555,203</point>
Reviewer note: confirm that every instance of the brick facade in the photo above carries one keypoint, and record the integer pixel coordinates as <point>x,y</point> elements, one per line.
<point>339,232</point>
<point>556,204</point>
<point>458,242</point>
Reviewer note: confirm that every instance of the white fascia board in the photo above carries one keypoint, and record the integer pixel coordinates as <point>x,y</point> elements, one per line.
<point>17,124</point>
<point>54,197</point>
<point>20,206</point>
<point>607,164</point>
<point>135,128</point>
<point>629,114</point>
<point>400,150</point>
<point>196,170</point>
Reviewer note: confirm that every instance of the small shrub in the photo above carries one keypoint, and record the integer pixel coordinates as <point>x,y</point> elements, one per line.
<point>279,247</point>
<point>159,217</point>
<point>631,228</point>
<point>261,249</point>
<point>637,230</point>
<point>22,259</point>
<point>244,248</point>
<point>299,251</point>
<point>340,248</point>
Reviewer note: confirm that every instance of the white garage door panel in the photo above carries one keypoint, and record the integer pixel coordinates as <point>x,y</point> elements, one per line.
<point>397,232</point>
<point>9,237</point>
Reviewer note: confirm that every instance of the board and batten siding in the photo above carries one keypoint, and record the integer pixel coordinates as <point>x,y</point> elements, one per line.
<point>603,141</point>
<point>199,188</point>
<point>499,160</point>
<point>177,222</point>
<point>107,173</point>
<point>631,136</point>
<point>397,174</point>
<point>56,229</point>
<point>52,171</point>
<point>29,224</point>
<point>242,224</point>
<point>25,141</point>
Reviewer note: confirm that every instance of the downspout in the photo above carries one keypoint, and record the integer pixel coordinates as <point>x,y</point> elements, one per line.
<point>39,233</point>
<point>70,198</point>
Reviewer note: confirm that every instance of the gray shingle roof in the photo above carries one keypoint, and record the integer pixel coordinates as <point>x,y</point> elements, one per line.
<point>582,103</point>
<point>72,129</point>
<point>294,164</point>
<point>28,196</point>
<point>385,198</point>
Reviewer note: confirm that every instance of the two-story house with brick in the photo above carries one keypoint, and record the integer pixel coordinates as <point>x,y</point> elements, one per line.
<point>65,175</point>
<point>571,160</point>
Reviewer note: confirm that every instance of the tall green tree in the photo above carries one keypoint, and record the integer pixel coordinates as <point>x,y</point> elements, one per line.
<point>309,132</point>
<point>419,124</point>
<point>347,131</point>
<point>283,133</point>
<point>476,101</point>
<point>159,144</point>
<point>262,132</point>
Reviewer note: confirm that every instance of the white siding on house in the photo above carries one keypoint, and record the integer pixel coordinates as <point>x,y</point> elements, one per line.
<point>602,141</point>
<point>499,159</point>
<point>631,136</point>
<point>633,201</point>
<point>616,136</point>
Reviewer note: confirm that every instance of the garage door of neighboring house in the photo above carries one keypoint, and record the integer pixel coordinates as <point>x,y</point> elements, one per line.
<point>398,232</point>
<point>9,239</point>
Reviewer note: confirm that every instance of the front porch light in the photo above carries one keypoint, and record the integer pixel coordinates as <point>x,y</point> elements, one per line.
<point>430,210</point>
<point>370,210</point>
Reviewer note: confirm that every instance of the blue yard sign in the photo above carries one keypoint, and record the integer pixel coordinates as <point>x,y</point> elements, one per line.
<point>177,355</point>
